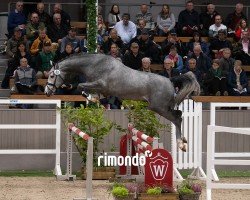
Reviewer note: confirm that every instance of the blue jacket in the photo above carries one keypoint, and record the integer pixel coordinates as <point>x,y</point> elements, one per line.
<point>14,19</point>
<point>232,79</point>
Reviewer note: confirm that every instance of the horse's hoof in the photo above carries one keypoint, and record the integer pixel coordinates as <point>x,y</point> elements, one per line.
<point>182,146</point>
<point>184,140</point>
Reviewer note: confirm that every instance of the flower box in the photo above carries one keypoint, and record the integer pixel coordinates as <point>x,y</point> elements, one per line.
<point>100,173</point>
<point>195,196</point>
<point>165,196</point>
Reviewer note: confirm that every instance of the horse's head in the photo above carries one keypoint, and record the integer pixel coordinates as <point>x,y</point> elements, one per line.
<point>55,80</point>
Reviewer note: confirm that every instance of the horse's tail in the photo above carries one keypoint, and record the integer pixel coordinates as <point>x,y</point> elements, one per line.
<point>187,84</point>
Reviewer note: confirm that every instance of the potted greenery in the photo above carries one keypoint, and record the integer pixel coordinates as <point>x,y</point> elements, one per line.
<point>92,121</point>
<point>142,118</point>
<point>123,192</point>
<point>158,193</point>
<point>188,190</point>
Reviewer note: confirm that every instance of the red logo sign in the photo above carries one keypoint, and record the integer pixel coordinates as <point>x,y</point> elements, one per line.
<point>159,168</point>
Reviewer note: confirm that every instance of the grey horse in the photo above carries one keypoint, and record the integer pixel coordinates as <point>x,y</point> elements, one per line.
<point>108,76</point>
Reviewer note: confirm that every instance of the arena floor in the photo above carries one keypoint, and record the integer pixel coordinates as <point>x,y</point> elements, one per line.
<point>47,188</point>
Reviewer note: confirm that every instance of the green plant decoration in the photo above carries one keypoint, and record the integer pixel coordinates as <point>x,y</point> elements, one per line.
<point>143,118</point>
<point>154,191</point>
<point>120,192</point>
<point>92,26</point>
<point>92,121</point>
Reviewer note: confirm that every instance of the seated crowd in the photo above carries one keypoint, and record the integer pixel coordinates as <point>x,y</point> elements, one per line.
<point>217,64</point>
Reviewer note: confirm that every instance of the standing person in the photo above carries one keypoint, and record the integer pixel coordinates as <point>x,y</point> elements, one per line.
<point>114,15</point>
<point>207,18</point>
<point>188,20</point>
<point>215,80</point>
<point>165,21</point>
<point>237,80</point>
<point>16,18</point>
<point>147,16</point>
<point>25,78</point>
<point>126,29</point>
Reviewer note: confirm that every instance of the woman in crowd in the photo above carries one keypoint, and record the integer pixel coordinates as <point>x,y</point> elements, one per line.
<point>176,58</point>
<point>101,26</point>
<point>114,15</point>
<point>165,21</point>
<point>146,62</point>
<point>115,52</point>
<point>14,62</point>
<point>241,26</point>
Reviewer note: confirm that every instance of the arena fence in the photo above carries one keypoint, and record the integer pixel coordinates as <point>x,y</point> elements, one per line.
<point>192,130</point>
<point>56,126</point>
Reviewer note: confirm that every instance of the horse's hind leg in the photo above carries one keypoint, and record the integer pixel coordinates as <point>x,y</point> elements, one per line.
<point>175,116</point>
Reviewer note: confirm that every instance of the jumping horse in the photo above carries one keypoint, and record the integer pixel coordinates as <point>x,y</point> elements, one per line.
<point>108,76</point>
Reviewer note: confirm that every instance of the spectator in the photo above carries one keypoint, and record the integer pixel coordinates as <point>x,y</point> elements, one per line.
<point>32,27</point>
<point>233,18</point>
<point>115,52</point>
<point>25,78</point>
<point>16,18</point>
<point>147,16</point>
<point>64,16</point>
<point>43,59</point>
<point>146,62</point>
<point>177,59</point>
<point>213,29</point>
<point>207,18</point>
<point>101,26</point>
<point>113,38</point>
<point>215,80</point>
<point>237,80</point>
<point>226,62</point>
<point>13,42</point>
<point>57,30</point>
<point>37,45</point>
<point>71,38</point>
<point>197,40</point>
<point>165,21</point>
<point>219,43</point>
<point>188,20</point>
<point>169,70</point>
<point>203,62</point>
<point>133,57</point>
<point>192,67</point>
<point>171,40</point>
<point>141,26</point>
<point>148,47</point>
<point>241,49</point>
<point>126,29</point>
<point>14,62</point>
<point>68,50</point>
<point>240,27</point>
<point>114,16</point>
<point>43,16</point>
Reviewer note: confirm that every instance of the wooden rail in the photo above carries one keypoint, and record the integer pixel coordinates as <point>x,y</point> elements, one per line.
<point>53,97</point>
<point>228,99</point>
